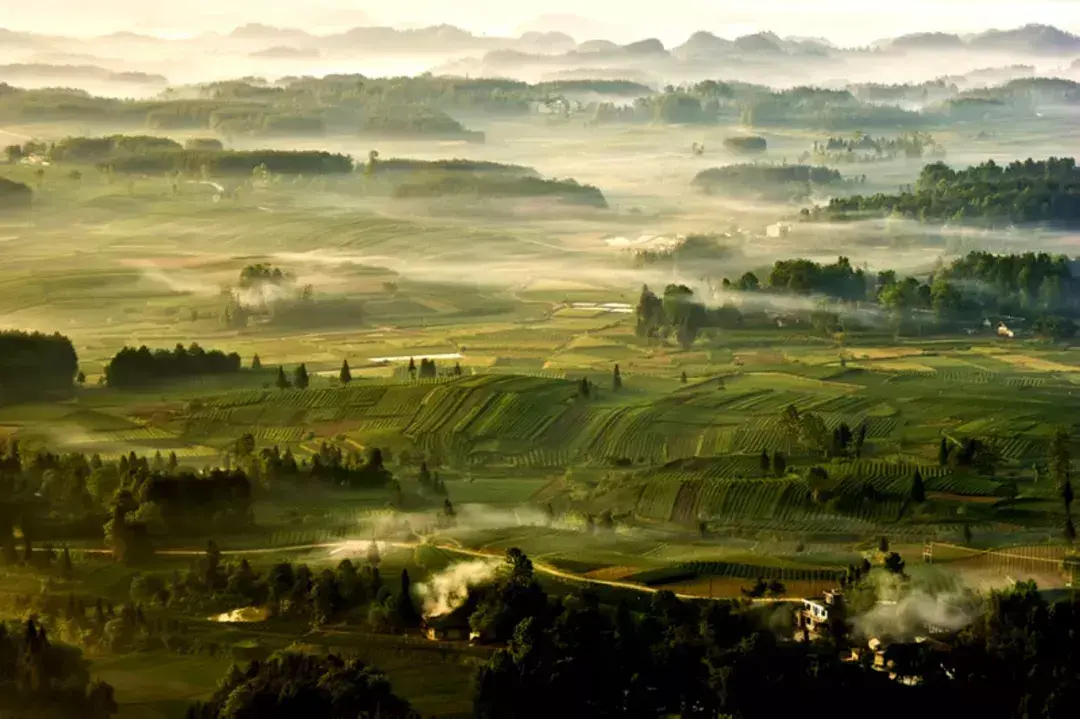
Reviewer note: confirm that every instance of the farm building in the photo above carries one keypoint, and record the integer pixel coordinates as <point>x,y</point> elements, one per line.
<point>902,661</point>
<point>450,627</point>
<point>780,229</point>
<point>812,619</point>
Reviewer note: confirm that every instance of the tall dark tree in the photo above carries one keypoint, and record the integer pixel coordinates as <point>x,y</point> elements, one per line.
<point>282,380</point>
<point>406,609</point>
<point>918,490</point>
<point>943,452</point>
<point>616,379</point>
<point>300,377</point>
<point>779,465</point>
<point>345,375</point>
<point>764,463</point>
<point>256,363</point>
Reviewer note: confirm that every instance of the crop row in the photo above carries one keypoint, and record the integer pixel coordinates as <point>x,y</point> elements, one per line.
<point>756,499</point>
<point>846,404</point>
<point>136,434</point>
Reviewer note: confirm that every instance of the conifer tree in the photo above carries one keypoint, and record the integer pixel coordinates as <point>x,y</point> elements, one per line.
<point>300,377</point>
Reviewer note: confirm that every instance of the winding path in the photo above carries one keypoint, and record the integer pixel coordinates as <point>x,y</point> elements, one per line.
<point>361,545</point>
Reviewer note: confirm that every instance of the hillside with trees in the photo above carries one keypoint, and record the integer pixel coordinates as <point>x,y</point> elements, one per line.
<point>1045,191</point>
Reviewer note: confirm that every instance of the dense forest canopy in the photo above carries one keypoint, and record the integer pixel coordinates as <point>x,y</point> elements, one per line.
<point>142,367</point>
<point>988,193</point>
<point>36,366</point>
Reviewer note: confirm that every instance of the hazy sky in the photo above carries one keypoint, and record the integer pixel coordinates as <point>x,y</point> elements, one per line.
<point>843,21</point>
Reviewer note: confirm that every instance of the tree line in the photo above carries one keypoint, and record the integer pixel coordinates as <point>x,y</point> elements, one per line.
<point>1038,287</point>
<point>134,368</point>
<point>771,180</point>
<point>1029,191</point>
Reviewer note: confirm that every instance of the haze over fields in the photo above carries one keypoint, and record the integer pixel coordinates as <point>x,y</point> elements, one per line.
<point>504,360</point>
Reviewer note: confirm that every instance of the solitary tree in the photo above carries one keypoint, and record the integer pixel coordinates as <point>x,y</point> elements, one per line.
<point>300,377</point>
<point>345,375</point>
<point>918,490</point>
<point>256,363</point>
<point>883,545</point>
<point>683,378</point>
<point>779,464</point>
<point>282,380</point>
<point>943,452</point>
<point>616,379</point>
<point>412,368</point>
<point>1060,465</point>
<point>765,464</point>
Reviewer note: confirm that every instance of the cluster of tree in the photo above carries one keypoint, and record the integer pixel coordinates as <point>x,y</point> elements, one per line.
<point>377,167</point>
<point>41,677</point>
<point>431,482</point>
<point>427,369</point>
<point>262,273</point>
<point>1034,286</point>
<point>36,366</point>
<point>231,162</point>
<point>711,102</point>
<point>579,657</point>
<point>452,184</point>
<point>300,378</point>
<point>204,144</point>
<point>271,466</point>
<point>746,143</point>
<point>783,181</point>
<point>809,430</point>
<point>132,368</point>
<point>695,249</point>
<point>924,92</point>
<point>1026,285</point>
<point>392,120</point>
<point>677,314</point>
<point>1028,191</point>
<point>295,685</point>
<point>838,280</point>
<point>14,196</point>
<point>180,505</point>
<point>866,148</point>
<point>94,150</point>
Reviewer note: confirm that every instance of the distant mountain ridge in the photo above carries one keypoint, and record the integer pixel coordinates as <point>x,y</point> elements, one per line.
<point>1034,39</point>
